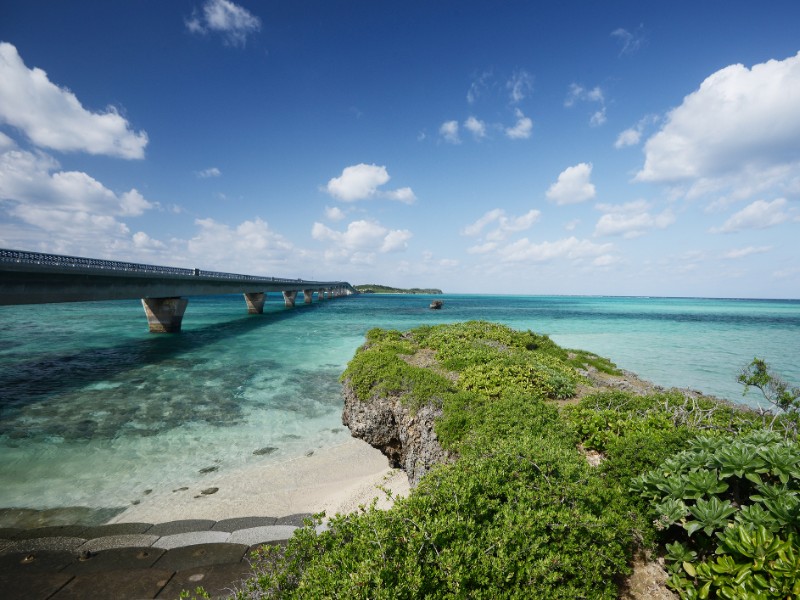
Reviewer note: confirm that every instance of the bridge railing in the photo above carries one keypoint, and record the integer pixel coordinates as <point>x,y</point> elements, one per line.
<point>60,261</point>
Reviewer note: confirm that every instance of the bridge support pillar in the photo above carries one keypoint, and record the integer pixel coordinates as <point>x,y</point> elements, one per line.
<point>255,302</point>
<point>321,294</point>
<point>289,297</point>
<point>308,296</point>
<point>164,315</point>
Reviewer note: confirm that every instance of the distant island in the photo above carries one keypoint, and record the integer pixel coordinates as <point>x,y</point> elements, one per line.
<point>371,288</point>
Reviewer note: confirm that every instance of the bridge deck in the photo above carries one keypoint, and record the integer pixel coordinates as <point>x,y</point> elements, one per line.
<point>34,278</point>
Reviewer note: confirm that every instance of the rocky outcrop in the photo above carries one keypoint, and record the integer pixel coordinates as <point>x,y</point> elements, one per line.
<point>406,438</point>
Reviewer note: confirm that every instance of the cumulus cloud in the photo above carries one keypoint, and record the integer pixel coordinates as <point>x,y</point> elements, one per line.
<point>210,172</point>
<point>522,128</point>
<point>573,185</point>
<point>449,131</point>
<point>219,245</point>
<point>53,117</point>
<point>505,225</point>
<point>230,20</point>
<point>738,119</point>
<point>568,248</point>
<point>334,213</point>
<point>630,220</point>
<point>758,215</point>
<point>633,135</point>
<point>476,127</point>
<point>363,237</point>
<point>361,182</point>
<point>70,206</point>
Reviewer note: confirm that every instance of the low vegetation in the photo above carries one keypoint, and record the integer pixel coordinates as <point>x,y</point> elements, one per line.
<point>522,514</point>
<point>371,288</point>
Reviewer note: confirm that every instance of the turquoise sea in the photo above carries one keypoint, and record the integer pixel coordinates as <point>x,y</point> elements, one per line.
<point>94,410</point>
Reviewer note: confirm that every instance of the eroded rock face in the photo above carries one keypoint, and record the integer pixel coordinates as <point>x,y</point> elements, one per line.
<point>408,440</point>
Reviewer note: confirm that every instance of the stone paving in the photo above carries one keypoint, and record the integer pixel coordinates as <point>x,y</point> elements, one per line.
<point>134,561</point>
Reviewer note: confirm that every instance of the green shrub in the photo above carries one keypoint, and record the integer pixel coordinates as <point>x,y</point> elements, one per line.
<point>729,510</point>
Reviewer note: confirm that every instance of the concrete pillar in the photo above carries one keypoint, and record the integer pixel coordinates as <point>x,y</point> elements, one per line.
<point>164,315</point>
<point>255,302</point>
<point>308,296</point>
<point>288,298</point>
<point>321,294</point>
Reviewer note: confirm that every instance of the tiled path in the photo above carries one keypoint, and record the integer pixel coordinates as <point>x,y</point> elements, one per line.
<point>133,561</point>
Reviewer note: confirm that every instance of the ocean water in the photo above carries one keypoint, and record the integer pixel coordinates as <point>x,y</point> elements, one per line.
<point>95,411</point>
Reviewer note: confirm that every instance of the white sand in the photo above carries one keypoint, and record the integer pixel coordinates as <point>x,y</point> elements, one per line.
<point>336,479</point>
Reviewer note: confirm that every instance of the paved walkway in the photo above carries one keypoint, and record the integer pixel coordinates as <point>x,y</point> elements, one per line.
<point>133,561</point>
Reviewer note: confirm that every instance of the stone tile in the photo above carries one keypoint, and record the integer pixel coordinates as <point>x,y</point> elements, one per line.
<point>118,541</point>
<point>32,586</point>
<point>51,561</point>
<point>242,523</point>
<point>217,580</point>
<point>68,544</point>
<point>295,519</point>
<point>115,559</point>
<point>188,557</point>
<point>192,538</point>
<point>10,533</point>
<point>124,584</point>
<point>183,526</point>
<point>260,535</point>
<point>53,531</point>
<point>115,529</point>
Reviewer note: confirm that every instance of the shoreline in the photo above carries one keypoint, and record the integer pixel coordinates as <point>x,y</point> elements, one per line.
<point>335,480</point>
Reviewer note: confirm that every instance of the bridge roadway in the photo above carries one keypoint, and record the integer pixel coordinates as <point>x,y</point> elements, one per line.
<point>35,278</point>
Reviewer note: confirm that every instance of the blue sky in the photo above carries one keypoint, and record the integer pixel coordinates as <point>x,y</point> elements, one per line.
<point>575,147</point>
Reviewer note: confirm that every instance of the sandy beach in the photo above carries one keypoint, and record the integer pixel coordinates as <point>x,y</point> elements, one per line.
<point>335,480</point>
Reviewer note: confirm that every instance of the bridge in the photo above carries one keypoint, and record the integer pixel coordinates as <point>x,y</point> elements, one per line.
<point>36,278</point>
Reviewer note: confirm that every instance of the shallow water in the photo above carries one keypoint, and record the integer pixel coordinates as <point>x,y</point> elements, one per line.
<point>95,411</point>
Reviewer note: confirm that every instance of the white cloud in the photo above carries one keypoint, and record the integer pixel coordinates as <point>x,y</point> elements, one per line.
<point>631,42</point>
<point>578,93</point>
<point>63,209</point>
<point>53,117</point>
<point>405,195</point>
<point>482,248</point>
<point>210,172</point>
<point>362,237</point>
<point>737,253</point>
<point>449,131</point>
<point>630,220</point>
<point>522,128</point>
<point>519,86</point>
<point>477,86</point>
<point>573,185</point>
<point>334,213</point>
<point>568,248</point>
<point>6,143</point>
<point>476,227</point>
<point>737,119</point>
<point>476,127</point>
<point>598,118</point>
<point>142,241</point>
<point>232,21</point>
<point>758,215</point>
<point>357,182</point>
<point>505,225</point>
<point>629,137</point>
<point>361,182</point>
<point>219,246</point>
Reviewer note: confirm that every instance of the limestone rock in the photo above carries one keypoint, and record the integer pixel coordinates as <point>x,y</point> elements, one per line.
<point>407,439</point>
